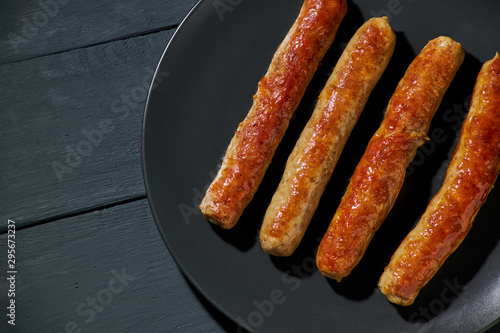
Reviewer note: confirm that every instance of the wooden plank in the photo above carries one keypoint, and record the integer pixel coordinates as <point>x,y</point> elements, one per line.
<point>38,27</point>
<point>71,128</point>
<point>106,271</point>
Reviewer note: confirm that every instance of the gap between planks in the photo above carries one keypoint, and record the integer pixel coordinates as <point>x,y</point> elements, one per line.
<point>77,213</point>
<point>144,33</point>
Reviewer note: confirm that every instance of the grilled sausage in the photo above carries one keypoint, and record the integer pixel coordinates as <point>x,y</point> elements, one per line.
<point>448,218</point>
<point>312,161</point>
<point>379,175</point>
<point>278,95</point>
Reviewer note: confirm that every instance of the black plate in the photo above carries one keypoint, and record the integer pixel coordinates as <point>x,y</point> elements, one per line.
<point>203,88</point>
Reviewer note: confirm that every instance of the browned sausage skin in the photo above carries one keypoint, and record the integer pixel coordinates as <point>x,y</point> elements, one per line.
<point>449,216</point>
<point>311,163</point>
<point>378,178</point>
<point>278,95</point>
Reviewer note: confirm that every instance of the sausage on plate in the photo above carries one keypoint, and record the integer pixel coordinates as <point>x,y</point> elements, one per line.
<point>312,161</point>
<point>278,95</point>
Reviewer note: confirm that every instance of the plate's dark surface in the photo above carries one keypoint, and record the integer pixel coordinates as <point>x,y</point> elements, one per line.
<point>203,89</point>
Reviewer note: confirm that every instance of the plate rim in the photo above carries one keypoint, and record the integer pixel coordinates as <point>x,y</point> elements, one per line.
<point>156,219</point>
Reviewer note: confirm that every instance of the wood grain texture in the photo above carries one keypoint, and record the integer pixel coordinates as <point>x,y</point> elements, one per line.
<point>38,27</point>
<point>71,128</point>
<point>106,271</point>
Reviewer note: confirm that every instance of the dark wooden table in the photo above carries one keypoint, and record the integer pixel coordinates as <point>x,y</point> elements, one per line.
<point>88,256</point>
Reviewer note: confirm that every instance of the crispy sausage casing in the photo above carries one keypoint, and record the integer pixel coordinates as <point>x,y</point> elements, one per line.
<point>311,163</point>
<point>379,175</point>
<point>448,218</point>
<point>278,95</point>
